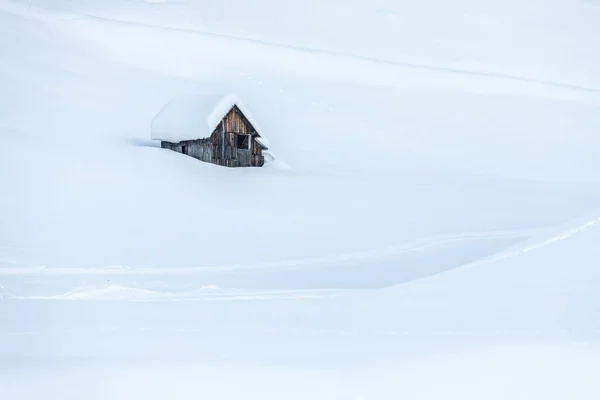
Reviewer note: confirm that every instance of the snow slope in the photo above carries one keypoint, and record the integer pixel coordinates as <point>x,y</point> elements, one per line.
<point>87,188</point>
<point>444,154</point>
<point>548,284</point>
<point>525,327</point>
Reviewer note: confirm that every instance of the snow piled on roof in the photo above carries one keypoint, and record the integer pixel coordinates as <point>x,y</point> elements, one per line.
<point>195,117</point>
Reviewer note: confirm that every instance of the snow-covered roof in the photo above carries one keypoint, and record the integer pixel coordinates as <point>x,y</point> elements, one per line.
<point>195,117</point>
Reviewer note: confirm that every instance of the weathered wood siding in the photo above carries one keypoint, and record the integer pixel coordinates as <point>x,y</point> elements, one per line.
<point>221,147</point>
<point>200,149</point>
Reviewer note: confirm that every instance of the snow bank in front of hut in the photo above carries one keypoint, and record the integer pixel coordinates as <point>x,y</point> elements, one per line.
<point>195,117</point>
<point>111,292</point>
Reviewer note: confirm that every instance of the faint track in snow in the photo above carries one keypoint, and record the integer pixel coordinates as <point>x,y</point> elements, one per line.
<point>70,15</point>
<point>367,256</point>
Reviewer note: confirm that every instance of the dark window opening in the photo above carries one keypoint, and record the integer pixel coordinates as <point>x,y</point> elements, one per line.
<point>183,149</point>
<point>242,141</point>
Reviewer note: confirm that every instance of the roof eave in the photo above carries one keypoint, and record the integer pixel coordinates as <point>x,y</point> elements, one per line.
<point>261,145</point>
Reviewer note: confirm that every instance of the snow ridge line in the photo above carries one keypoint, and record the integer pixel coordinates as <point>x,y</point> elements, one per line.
<point>375,60</point>
<point>6,293</point>
<point>558,238</point>
<point>118,292</point>
<point>535,332</point>
<point>362,256</point>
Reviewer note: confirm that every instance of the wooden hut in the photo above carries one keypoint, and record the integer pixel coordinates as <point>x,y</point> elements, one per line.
<point>212,128</point>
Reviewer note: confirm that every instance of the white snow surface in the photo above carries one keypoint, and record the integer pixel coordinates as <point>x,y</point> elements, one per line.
<point>432,232</point>
<point>195,117</point>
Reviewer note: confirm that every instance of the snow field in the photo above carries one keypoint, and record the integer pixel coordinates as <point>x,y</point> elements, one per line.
<point>430,229</point>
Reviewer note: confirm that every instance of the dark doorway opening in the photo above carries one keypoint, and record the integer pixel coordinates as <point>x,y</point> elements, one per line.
<point>242,141</point>
<point>183,149</point>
